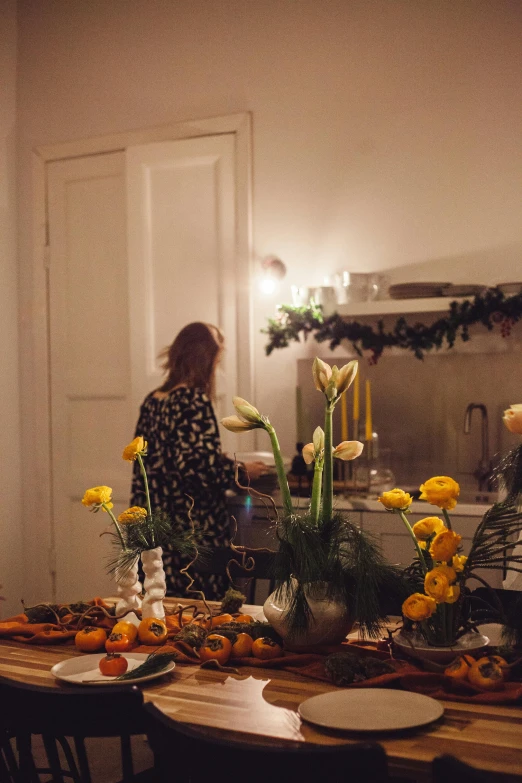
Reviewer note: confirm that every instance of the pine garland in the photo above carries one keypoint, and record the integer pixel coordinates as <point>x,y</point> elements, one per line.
<point>491,308</point>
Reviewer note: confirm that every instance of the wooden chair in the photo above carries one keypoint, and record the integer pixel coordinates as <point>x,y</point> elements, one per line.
<point>188,754</point>
<point>449,769</point>
<point>56,714</point>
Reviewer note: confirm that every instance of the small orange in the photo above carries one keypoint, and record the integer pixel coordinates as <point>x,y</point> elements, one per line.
<point>265,648</point>
<point>242,647</point>
<point>220,619</point>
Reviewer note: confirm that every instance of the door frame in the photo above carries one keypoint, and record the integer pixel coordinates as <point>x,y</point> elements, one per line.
<point>37,500</point>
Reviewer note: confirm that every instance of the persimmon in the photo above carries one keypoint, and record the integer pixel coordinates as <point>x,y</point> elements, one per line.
<point>113,665</point>
<point>220,619</point>
<point>118,643</point>
<point>459,668</point>
<point>265,648</point>
<point>126,627</point>
<point>152,630</point>
<point>242,647</point>
<point>215,648</point>
<point>90,639</point>
<point>496,659</point>
<point>486,675</point>
<point>244,618</point>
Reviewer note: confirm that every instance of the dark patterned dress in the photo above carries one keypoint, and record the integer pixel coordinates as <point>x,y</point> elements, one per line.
<point>184,459</point>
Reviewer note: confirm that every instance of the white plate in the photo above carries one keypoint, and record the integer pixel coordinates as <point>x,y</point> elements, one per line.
<point>370,709</point>
<point>84,670</point>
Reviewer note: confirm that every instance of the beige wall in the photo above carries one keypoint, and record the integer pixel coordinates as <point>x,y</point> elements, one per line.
<point>11,558</point>
<point>386,132</point>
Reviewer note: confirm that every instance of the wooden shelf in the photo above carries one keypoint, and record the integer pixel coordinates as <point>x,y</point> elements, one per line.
<point>383,307</point>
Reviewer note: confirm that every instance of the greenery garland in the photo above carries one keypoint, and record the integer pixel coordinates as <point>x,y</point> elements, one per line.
<point>491,308</point>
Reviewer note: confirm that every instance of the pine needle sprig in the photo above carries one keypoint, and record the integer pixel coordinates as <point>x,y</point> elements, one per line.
<point>154,663</point>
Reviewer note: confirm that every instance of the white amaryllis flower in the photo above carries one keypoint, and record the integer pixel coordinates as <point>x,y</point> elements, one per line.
<point>246,410</point>
<point>235,424</point>
<point>512,418</point>
<point>313,451</point>
<point>332,380</point>
<point>348,449</point>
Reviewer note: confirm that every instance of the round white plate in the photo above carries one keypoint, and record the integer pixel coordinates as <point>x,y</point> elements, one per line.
<point>84,670</point>
<point>370,709</point>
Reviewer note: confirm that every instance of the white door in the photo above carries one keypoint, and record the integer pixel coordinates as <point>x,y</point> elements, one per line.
<point>141,243</point>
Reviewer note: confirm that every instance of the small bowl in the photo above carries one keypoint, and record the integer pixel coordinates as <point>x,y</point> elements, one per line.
<point>415,646</point>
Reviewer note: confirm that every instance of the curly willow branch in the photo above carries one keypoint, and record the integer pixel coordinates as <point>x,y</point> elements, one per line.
<point>185,569</point>
<point>251,491</point>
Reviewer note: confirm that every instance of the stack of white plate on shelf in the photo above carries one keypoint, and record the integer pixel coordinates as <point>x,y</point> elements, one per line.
<point>416,290</point>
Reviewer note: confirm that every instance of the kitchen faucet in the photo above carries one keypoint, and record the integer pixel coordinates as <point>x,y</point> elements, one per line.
<point>484,468</point>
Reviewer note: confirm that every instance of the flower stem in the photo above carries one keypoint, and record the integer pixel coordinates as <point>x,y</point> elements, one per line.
<point>316,490</point>
<point>414,539</point>
<point>145,482</point>
<point>328,463</point>
<point>280,470</point>
<point>115,523</point>
<point>447,518</point>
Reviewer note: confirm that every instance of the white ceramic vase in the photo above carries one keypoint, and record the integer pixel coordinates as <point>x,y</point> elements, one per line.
<point>128,589</point>
<point>154,583</point>
<point>329,624</point>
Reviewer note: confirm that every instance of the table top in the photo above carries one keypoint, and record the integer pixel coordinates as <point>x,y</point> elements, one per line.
<point>261,704</point>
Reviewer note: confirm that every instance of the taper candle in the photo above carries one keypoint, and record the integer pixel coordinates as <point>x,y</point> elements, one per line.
<point>369,427</point>
<point>344,418</point>
<point>356,398</point>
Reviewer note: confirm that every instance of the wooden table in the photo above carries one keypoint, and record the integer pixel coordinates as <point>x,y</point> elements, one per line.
<point>262,703</point>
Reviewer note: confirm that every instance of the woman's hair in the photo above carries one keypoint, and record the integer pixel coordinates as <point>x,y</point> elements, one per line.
<point>192,358</point>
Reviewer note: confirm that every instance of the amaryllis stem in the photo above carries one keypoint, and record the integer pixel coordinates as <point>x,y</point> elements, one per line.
<point>328,464</point>
<point>315,504</point>
<point>280,470</point>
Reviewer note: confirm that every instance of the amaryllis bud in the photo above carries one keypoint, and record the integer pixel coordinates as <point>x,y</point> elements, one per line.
<point>235,424</point>
<point>318,439</point>
<point>346,376</point>
<point>321,374</point>
<point>246,410</point>
<point>308,453</point>
<point>513,419</point>
<point>348,449</point>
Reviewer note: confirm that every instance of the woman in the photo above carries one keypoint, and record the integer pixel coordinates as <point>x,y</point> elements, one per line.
<point>184,459</point>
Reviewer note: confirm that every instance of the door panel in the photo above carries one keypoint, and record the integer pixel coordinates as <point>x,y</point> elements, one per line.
<point>182,259</point>
<point>91,415</point>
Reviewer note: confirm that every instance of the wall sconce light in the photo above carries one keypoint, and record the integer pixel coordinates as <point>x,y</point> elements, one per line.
<point>273,270</point>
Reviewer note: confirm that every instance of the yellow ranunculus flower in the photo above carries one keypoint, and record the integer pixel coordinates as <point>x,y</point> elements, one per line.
<point>441,491</point>
<point>426,527</point>
<point>436,586</point>
<point>133,514</point>
<point>396,498</point>
<point>437,582</point>
<point>513,418</point>
<point>458,562</point>
<point>445,545</point>
<point>96,496</point>
<point>138,446</point>
<point>419,607</point>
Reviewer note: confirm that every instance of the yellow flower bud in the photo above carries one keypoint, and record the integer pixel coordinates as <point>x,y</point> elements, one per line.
<point>458,562</point>
<point>396,499</point>
<point>138,446</point>
<point>348,449</point>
